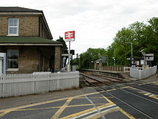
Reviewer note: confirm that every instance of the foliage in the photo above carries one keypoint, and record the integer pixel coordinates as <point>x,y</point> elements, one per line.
<point>64,49</point>
<point>141,36</point>
<point>87,58</point>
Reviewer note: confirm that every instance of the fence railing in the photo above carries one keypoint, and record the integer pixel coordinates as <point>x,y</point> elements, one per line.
<point>144,73</point>
<point>23,84</point>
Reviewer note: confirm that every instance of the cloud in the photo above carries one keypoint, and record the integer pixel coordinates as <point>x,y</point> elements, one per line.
<point>96,22</point>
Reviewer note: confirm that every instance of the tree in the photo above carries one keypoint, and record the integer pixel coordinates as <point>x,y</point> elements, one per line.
<point>150,40</point>
<point>64,48</point>
<point>142,36</point>
<point>122,49</point>
<point>87,58</point>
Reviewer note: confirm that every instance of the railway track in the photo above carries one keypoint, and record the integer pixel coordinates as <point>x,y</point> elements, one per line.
<point>138,99</point>
<point>100,78</point>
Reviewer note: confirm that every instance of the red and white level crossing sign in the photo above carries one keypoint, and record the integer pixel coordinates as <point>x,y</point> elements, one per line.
<point>70,35</point>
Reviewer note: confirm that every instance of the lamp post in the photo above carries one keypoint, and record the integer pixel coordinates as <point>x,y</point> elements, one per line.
<point>131,53</point>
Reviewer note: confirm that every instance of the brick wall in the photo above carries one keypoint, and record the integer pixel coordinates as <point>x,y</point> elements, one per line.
<point>57,61</point>
<point>3,26</point>
<point>28,59</point>
<point>28,25</point>
<point>43,30</point>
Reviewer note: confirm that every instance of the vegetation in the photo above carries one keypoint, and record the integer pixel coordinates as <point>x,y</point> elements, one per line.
<point>144,37</point>
<point>64,49</point>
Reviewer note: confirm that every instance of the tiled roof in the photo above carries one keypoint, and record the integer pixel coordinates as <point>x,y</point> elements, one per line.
<point>7,40</point>
<point>17,9</point>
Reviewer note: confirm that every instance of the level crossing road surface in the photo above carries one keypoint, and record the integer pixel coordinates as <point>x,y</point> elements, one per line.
<point>136,100</point>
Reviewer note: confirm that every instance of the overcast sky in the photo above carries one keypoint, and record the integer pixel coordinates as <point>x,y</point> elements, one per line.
<point>96,22</point>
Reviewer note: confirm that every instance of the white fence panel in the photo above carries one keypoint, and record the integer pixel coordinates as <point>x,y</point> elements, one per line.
<point>134,73</point>
<point>41,86</point>
<point>23,84</point>
<point>54,85</point>
<point>141,74</point>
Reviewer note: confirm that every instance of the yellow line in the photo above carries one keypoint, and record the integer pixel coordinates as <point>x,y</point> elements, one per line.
<point>110,90</point>
<point>46,102</point>
<point>59,107</point>
<point>85,111</point>
<point>147,93</point>
<point>57,114</point>
<point>7,111</point>
<point>110,111</point>
<point>31,105</point>
<point>4,113</point>
<point>107,99</point>
<point>103,113</point>
<point>154,96</point>
<point>85,98</point>
<point>125,113</point>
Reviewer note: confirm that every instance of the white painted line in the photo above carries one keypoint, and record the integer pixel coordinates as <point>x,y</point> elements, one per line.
<point>110,107</point>
<point>95,107</point>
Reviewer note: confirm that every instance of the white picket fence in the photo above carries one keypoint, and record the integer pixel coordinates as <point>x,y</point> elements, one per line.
<point>127,69</point>
<point>23,84</point>
<point>144,73</point>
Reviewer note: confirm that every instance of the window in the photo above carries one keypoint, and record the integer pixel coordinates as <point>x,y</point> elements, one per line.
<point>12,59</point>
<point>13,26</point>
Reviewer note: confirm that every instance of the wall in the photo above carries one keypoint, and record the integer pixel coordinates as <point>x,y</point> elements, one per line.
<point>44,31</point>
<point>3,26</point>
<point>15,85</point>
<point>57,59</point>
<point>28,59</point>
<point>28,25</point>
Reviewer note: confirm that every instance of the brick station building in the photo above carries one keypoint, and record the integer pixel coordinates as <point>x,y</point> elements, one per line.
<point>26,39</point>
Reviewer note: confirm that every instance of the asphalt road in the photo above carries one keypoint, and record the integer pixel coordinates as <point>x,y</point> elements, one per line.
<point>136,100</point>
<point>138,105</point>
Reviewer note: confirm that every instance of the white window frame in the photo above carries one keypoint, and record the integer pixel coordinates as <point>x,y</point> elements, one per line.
<point>13,26</point>
<point>14,68</point>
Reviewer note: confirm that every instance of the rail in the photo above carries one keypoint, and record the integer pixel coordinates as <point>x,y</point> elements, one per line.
<point>95,78</point>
